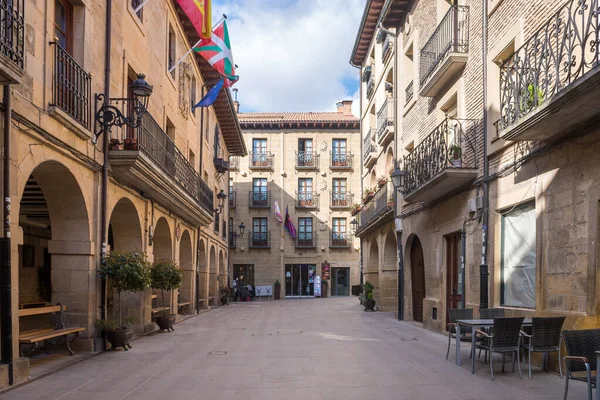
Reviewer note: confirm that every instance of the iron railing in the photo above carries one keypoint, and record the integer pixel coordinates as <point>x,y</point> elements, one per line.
<point>259,199</point>
<point>367,71</point>
<point>451,145</point>
<point>261,160</point>
<point>450,36</point>
<point>368,144</point>
<point>234,163</point>
<point>409,92</point>
<point>341,199</point>
<point>159,148</point>
<point>340,240</point>
<point>387,47</point>
<point>385,117</point>
<point>232,199</point>
<point>232,240</point>
<point>307,199</point>
<point>370,86</point>
<point>557,55</point>
<point>377,205</point>
<point>259,240</point>
<point>72,91</point>
<point>339,160</point>
<point>306,240</point>
<point>135,4</point>
<point>307,160</point>
<point>12,31</point>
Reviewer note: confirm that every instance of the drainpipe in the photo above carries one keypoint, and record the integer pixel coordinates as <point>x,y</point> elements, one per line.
<point>5,249</point>
<point>198,271</point>
<point>463,256</point>
<point>105,140</point>
<point>483,268</point>
<point>200,173</point>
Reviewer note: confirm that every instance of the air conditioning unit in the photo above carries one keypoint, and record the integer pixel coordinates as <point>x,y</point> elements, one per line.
<point>221,165</point>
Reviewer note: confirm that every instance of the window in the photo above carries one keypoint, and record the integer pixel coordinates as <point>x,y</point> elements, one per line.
<point>171,51</point>
<point>409,75</point>
<point>217,142</point>
<point>260,196</point>
<point>305,152</point>
<point>259,152</point>
<point>193,94</point>
<point>260,232</point>
<point>339,225</point>
<point>135,4</point>
<point>305,231</point>
<point>231,194</point>
<point>305,192</point>
<point>338,234</point>
<point>338,152</point>
<point>63,24</point>
<point>338,193</point>
<point>231,236</point>
<point>168,155</point>
<point>518,257</point>
<point>192,158</point>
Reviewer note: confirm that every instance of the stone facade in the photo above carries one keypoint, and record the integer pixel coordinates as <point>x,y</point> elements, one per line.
<point>56,168</point>
<point>304,177</point>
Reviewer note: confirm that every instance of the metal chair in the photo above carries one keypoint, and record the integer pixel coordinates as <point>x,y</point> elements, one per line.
<point>581,357</point>
<point>505,339</point>
<point>544,338</point>
<point>489,313</point>
<point>455,314</point>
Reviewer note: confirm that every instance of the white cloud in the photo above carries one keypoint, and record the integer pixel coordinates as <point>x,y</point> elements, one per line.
<point>292,55</point>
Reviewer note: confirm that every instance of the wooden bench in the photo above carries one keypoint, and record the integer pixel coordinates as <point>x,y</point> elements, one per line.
<point>48,335</point>
<point>183,306</point>
<point>211,301</point>
<point>201,303</point>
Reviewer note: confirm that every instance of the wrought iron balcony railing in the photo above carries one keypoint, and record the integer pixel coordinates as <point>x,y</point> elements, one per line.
<point>409,92</point>
<point>451,36</point>
<point>385,118</point>
<point>306,240</point>
<point>234,163</point>
<point>377,205</point>
<point>341,160</point>
<point>388,45</point>
<point>232,241</point>
<point>307,199</point>
<point>232,199</point>
<point>12,31</point>
<point>259,199</point>
<point>307,160</point>
<point>341,199</point>
<point>451,145</point>
<point>261,160</point>
<point>72,87</point>
<point>154,143</point>
<point>553,59</point>
<point>368,145</point>
<point>259,240</point>
<point>340,240</point>
<point>367,71</point>
<point>370,86</point>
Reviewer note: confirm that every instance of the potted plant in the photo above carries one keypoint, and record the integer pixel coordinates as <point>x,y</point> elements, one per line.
<point>165,275</point>
<point>382,181</point>
<point>131,144</point>
<point>115,144</point>
<point>225,295</point>
<point>368,193</point>
<point>368,300</point>
<point>356,209</point>
<point>277,290</point>
<point>454,154</point>
<point>390,203</point>
<point>127,272</point>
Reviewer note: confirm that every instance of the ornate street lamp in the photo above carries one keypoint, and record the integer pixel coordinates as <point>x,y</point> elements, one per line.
<point>221,201</point>
<point>353,226</point>
<point>398,176</point>
<point>109,115</point>
<point>241,234</point>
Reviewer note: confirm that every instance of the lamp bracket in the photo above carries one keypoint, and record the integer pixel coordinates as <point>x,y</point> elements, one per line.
<point>109,115</point>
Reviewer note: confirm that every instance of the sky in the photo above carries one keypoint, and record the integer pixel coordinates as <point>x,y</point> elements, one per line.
<point>293,55</point>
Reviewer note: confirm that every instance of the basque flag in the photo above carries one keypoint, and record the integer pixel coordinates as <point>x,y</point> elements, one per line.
<point>289,225</point>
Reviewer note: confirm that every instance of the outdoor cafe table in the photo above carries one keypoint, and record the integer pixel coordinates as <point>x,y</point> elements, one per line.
<point>475,324</point>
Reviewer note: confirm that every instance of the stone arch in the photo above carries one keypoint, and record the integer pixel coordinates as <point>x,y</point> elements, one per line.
<point>201,273</point>
<point>390,251</point>
<point>186,263</point>
<point>373,180</point>
<point>372,271</point>
<point>222,269</point>
<point>55,262</point>
<point>389,79</point>
<point>212,265</point>
<point>162,242</point>
<point>389,160</point>
<point>389,272</point>
<point>373,119</point>
<point>417,277</point>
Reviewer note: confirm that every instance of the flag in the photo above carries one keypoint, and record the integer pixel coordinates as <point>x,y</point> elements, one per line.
<point>217,51</point>
<point>199,13</point>
<point>289,225</point>
<point>277,212</point>
<point>211,96</point>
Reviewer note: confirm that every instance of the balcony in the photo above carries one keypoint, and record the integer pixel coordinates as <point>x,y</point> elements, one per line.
<point>443,162</point>
<point>259,199</point>
<point>71,93</point>
<point>341,200</point>
<point>12,41</point>
<point>340,240</point>
<point>341,160</point>
<point>385,122</point>
<point>234,163</point>
<point>148,160</point>
<point>409,92</point>
<point>261,161</point>
<point>306,240</point>
<point>259,240</point>
<point>307,160</point>
<point>367,71</point>
<point>369,149</point>
<point>549,86</point>
<point>370,86</point>
<point>307,200</point>
<point>388,46</point>
<point>376,209</point>
<point>232,241</point>
<point>232,199</point>
<point>446,52</point>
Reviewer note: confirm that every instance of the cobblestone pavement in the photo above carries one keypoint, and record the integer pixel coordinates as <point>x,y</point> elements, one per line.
<point>294,349</point>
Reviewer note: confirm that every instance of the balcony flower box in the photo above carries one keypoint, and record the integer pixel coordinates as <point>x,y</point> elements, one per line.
<point>356,210</point>
<point>115,144</point>
<point>382,182</point>
<point>131,144</point>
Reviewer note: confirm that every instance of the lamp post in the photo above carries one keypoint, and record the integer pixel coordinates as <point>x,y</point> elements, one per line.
<point>240,235</point>
<point>353,229</point>
<point>220,202</point>
<point>398,177</point>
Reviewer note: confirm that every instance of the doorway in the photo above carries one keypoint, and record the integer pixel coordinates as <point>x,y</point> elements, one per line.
<point>340,281</point>
<point>417,279</point>
<point>299,280</point>
<point>454,274</point>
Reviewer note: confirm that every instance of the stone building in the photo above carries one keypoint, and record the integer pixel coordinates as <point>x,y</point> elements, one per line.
<point>543,203</point>
<point>306,162</point>
<point>163,175</point>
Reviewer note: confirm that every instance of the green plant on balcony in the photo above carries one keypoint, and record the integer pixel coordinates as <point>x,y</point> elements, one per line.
<point>533,98</point>
<point>368,193</point>
<point>455,155</point>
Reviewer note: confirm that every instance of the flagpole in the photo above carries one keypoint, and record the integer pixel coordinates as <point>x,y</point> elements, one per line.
<point>194,46</point>
<point>138,8</point>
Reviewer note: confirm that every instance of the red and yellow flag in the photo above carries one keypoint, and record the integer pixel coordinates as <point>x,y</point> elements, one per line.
<point>200,15</point>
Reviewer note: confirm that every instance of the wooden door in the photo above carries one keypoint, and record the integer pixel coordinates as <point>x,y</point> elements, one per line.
<point>453,271</point>
<point>417,279</point>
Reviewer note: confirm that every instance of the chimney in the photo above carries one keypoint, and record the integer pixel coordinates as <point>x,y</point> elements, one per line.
<point>236,103</point>
<point>344,107</point>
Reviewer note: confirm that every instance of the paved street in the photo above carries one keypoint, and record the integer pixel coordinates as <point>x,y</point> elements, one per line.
<point>295,349</point>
